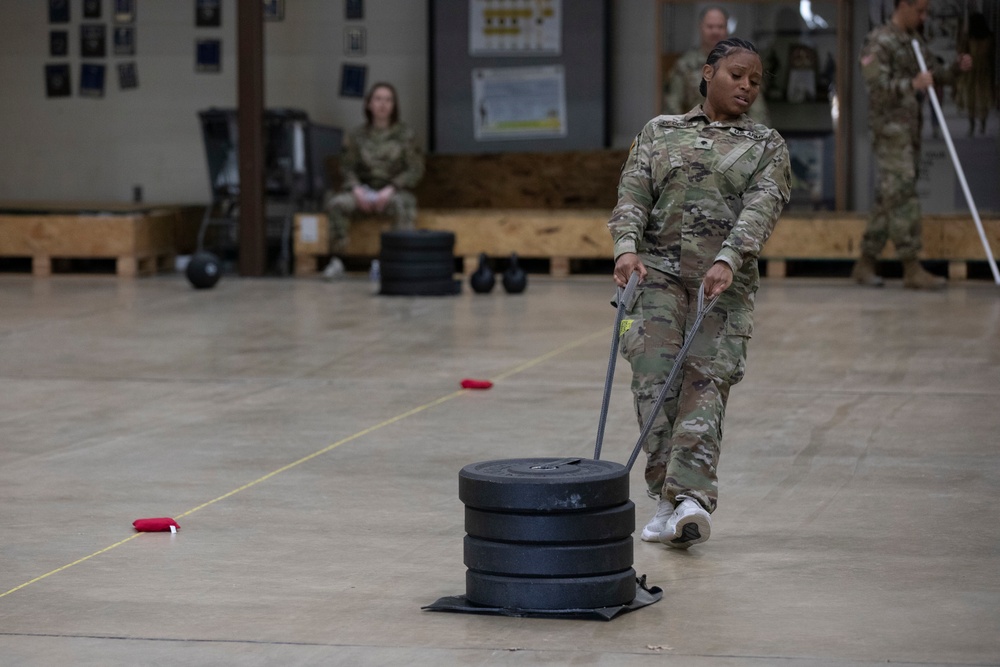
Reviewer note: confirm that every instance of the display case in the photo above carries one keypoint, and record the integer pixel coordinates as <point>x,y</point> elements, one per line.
<point>804,90</point>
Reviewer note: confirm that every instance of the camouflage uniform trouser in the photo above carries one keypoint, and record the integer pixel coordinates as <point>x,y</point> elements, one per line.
<point>683,446</point>
<point>896,214</point>
<point>401,207</point>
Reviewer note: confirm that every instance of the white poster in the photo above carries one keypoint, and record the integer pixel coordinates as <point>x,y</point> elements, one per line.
<point>519,102</point>
<point>515,27</point>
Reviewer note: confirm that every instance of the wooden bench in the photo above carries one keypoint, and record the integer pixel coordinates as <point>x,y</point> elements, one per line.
<point>562,236</point>
<point>555,206</point>
<point>140,239</point>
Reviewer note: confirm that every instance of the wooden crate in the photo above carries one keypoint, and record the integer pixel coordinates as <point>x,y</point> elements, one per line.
<point>564,235</point>
<point>141,240</point>
<point>952,238</point>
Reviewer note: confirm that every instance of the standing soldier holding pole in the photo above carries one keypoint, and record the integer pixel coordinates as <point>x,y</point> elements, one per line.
<point>896,91</point>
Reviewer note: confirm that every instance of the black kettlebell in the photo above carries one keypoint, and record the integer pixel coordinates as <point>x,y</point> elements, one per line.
<point>514,277</point>
<point>204,270</point>
<point>482,279</point>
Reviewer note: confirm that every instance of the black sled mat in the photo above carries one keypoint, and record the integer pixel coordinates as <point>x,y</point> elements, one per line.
<point>644,596</point>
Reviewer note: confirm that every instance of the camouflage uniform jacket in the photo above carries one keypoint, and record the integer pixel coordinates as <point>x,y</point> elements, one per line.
<point>682,90</point>
<point>378,158</point>
<point>693,192</point>
<point>888,65</point>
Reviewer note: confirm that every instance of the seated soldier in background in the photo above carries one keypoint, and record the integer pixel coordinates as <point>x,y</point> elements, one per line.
<point>380,165</point>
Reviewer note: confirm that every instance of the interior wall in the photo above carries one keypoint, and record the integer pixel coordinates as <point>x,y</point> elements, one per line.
<point>75,148</point>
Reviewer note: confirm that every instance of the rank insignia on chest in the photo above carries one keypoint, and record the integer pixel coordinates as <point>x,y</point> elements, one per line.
<point>703,143</point>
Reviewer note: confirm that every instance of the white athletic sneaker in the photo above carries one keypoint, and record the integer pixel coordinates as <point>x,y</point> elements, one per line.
<point>335,269</point>
<point>689,524</point>
<point>656,525</point>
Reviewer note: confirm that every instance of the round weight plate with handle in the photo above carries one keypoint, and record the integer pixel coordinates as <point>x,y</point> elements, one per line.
<point>545,593</point>
<point>543,484</point>
<point>548,560</point>
<point>603,525</point>
<point>418,239</point>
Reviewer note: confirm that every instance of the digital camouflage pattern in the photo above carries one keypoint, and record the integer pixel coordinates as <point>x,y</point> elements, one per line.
<point>888,66</point>
<point>377,158</point>
<point>693,192</point>
<point>684,444</point>
<point>681,92</point>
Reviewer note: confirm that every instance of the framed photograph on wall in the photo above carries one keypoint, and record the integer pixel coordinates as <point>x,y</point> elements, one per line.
<point>91,9</point>
<point>91,80</point>
<point>352,80</point>
<point>803,67</point>
<point>58,11</point>
<point>208,13</point>
<point>354,41</point>
<point>124,11</point>
<point>354,10</point>
<point>208,55</point>
<point>124,40</point>
<point>93,40</point>
<point>57,81</point>
<point>58,42</point>
<point>128,77</point>
<point>274,10</point>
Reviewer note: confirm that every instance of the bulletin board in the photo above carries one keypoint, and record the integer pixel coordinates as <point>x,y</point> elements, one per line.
<point>518,75</point>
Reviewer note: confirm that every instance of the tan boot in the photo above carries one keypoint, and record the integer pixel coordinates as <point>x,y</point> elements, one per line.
<point>864,272</point>
<point>915,277</point>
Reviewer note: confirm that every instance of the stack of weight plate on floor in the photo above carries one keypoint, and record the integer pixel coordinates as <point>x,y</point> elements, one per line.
<point>548,534</point>
<point>418,262</point>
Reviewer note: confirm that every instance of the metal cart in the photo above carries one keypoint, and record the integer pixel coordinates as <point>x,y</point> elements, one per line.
<point>294,179</point>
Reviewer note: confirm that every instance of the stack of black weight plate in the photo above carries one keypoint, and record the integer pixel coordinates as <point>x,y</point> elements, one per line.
<point>548,534</point>
<point>418,263</point>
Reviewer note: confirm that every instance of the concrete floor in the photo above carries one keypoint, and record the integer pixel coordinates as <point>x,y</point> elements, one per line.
<point>308,437</point>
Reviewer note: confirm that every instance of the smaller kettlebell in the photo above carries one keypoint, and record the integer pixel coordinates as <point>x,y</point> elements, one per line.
<point>483,278</point>
<point>514,277</point>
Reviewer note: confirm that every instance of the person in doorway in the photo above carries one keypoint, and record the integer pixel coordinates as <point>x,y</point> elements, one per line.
<point>380,165</point>
<point>682,92</point>
<point>698,196</point>
<point>896,91</point>
<point>977,92</point>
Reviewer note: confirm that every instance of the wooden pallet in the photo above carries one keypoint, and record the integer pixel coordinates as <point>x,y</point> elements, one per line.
<point>140,239</point>
<point>564,235</point>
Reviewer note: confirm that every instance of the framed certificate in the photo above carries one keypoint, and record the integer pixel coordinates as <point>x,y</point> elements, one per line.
<point>124,11</point>
<point>91,80</point>
<point>208,55</point>
<point>352,80</point>
<point>128,77</point>
<point>124,40</point>
<point>58,42</point>
<point>274,10</point>
<point>93,40</point>
<point>57,81</point>
<point>208,13</point>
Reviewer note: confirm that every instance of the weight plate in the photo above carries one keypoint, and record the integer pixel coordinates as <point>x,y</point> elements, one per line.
<point>420,287</point>
<point>547,560</point>
<point>418,239</point>
<point>417,256</point>
<point>613,523</point>
<point>543,485</point>
<point>392,271</point>
<point>494,590</point>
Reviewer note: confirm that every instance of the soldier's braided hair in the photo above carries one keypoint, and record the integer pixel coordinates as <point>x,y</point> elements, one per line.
<point>723,49</point>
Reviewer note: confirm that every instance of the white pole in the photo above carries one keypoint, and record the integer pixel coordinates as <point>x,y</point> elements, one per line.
<point>958,166</point>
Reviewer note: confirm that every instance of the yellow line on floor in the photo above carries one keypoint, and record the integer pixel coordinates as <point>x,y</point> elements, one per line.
<point>69,565</point>
<point>409,413</point>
